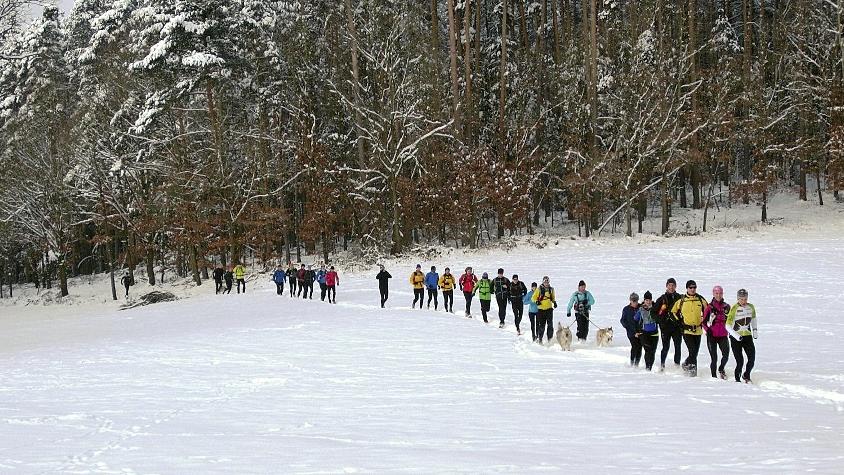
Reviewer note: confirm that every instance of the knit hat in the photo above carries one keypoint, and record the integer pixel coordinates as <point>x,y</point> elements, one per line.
<point>634,297</point>
<point>581,284</point>
<point>717,289</point>
<point>671,281</point>
<point>485,275</point>
<point>741,293</point>
<point>500,270</point>
<point>433,268</point>
<point>648,295</point>
<point>691,283</point>
<point>418,266</point>
<point>515,276</point>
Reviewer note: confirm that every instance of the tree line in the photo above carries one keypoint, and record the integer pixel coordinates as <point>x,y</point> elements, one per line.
<point>173,135</point>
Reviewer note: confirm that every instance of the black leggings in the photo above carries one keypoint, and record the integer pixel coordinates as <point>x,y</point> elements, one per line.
<point>532,317</point>
<point>332,294</point>
<point>322,290</point>
<point>649,343</point>
<point>714,343</point>
<point>749,348</point>
<point>635,350</point>
<point>502,307</point>
<point>385,293</point>
<point>582,326</point>
<point>518,311</point>
<point>668,335</point>
<point>468,296</point>
<point>545,320</point>
<point>432,293</point>
<point>693,345</point>
<point>418,295</point>
<point>279,288</point>
<point>485,305</point>
<point>292,286</point>
<point>239,283</point>
<point>448,300</point>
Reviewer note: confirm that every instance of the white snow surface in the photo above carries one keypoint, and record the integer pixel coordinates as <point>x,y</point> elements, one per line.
<point>259,383</point>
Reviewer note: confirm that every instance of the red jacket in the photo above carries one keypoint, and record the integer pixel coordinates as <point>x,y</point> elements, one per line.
<point>331,278</point>
<point>467,282</point>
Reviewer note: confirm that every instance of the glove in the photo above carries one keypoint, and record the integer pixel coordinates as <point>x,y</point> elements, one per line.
<point>555,304</point>
<point>568,314</point>
<point>755,333</point>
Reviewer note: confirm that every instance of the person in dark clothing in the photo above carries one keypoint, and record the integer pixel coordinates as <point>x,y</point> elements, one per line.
<point>647,329</point>
<point>279,277</point>
<point>218,279</point>
<point>628,321</point>
<point>517,295</point>
<point>229,278</point>
<point>291,278</point>
<point>501,289</point>
<point>310,277</point>
<point>300,280</point>
<point>320,278</point>
<point>581,301</point>
<point>127,282</point>
<point>383,278</point>
<point>669,327</point>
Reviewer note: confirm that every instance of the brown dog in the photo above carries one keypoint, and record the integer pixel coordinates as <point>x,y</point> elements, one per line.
<point>563,336</point>
<point>604,336</point>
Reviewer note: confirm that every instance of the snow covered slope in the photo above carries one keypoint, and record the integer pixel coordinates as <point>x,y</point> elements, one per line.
<point>259,383</point>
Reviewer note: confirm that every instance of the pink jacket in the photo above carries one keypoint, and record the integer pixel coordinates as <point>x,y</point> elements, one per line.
<point>718,311</point>
<point>331,278</point>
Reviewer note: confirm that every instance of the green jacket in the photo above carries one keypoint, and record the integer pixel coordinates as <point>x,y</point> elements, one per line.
<point>484,289</point>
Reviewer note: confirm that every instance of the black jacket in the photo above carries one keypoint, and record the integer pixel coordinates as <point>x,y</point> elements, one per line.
<point>664,316</point>
<point>382,279</point>
<point>517,291</point>
<point>501,287</point>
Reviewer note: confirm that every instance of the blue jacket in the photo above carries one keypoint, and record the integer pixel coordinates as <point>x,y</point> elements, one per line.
<point>320,276</point>
<point>645,320</point>
<point>279,276</point>
<point>532,307</point>
<point>628,321</point>
<point>432,280</point>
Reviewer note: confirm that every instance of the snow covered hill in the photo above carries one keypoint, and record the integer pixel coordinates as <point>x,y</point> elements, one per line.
<point>259,383</point>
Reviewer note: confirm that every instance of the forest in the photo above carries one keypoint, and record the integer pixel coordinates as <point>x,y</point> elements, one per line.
<point>176,135</point>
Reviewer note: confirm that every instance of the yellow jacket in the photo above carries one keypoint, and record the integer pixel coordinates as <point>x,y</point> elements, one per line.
<point>689,310</point>
<point>417,280</point>
<point>447,282</point>
<point>239,271</point>
<point>544,299</point>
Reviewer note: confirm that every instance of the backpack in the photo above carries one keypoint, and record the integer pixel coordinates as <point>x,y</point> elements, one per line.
<point>580,305</point>
<point>679,316</point>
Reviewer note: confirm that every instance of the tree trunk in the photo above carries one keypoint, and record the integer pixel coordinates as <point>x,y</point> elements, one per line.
<point>468,106</point>
<point>194,265</point>
<point>435,55</point>
<point>666,196</point>
<point>110,255</point>
<point>765,206</point>
<point>502,85</point>
<point>452,53</point>
<point>556,28</point>
<point>682,188</point>
<point>150,260</point>
<point>353,38</point>
<point>820,194</point>
<point>803,182</point>
<point>593,75</point>
<point>62,266</point>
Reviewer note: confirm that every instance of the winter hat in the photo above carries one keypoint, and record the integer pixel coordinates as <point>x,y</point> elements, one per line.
<point>433,268</point>
<point>485,275</point>
<point>418,266</point>
<point>691,283</point>
<point>671,281</point>
<point>500,271</point>
<point>648,295</point>
<point>717,289</point>
<point>634,297</point>
<point>581,284</point>
<point>741,293</point>
<point>447,269</point>
<point>533,284</point>
<point>515,276</point>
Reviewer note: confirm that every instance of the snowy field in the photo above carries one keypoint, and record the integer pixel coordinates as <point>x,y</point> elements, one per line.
<point>259,383</point>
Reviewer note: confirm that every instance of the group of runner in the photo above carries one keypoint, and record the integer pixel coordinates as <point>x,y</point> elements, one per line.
<point>688,317</point>
<point>301,281</point>
<point>671,318</point>
<point>540,299</point>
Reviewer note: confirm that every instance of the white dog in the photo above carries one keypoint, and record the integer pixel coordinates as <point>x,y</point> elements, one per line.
<point>604,336</point>
<point>563,336</point>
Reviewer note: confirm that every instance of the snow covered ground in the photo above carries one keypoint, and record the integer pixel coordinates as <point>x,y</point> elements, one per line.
<point>259,383</point>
